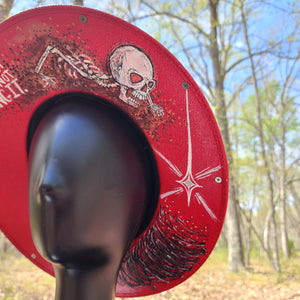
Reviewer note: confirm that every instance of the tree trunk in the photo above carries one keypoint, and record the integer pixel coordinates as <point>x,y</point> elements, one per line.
<point>261,241</point>
<point>235,250</point>
<point>248,238</point>
<point>223,241</point>
<point>282,217</point>
<point>275,262</point>
<point>282,184</point>
<point>267,231</point>
<point>296,197</point>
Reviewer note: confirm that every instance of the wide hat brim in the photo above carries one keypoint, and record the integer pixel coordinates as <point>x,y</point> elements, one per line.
<point>58,49</point>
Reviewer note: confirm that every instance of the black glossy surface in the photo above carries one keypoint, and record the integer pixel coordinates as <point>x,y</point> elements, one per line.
<point>92,189</point>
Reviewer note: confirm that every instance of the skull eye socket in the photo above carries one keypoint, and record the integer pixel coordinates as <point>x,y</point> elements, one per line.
<point>135,78</point>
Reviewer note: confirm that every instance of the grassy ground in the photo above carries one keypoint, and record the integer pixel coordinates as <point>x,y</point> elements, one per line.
<point>19,280</point>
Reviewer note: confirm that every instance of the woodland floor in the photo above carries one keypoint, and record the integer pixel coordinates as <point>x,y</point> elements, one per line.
<point>19,279</point>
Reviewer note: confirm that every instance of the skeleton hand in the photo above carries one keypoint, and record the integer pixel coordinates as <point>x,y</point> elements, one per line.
<point>47,80</point>
<point>156,110</point>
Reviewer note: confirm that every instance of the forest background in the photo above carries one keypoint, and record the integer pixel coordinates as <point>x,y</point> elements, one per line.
<point>245,57</point>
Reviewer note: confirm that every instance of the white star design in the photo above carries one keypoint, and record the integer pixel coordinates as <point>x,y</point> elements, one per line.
<point>188,182</point>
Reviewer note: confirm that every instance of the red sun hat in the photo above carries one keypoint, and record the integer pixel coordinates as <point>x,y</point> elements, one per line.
<point>59,49</point>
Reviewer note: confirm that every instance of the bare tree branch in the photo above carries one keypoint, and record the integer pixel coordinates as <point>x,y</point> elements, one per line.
<point>176,17</point>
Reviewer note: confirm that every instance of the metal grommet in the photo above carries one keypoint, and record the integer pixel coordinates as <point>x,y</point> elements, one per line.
<point>82,18</point>
<point>218,179</point>
<point>185,85</point>
<point>33,256</point>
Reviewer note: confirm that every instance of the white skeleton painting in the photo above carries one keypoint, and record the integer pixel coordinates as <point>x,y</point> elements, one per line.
<point>131,70</point>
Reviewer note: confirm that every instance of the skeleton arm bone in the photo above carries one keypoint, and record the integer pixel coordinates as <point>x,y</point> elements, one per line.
<point>47,79</point>
<point>42,59</point>
<point>86,73</point>
<point>83,68</point>
<point>156,109</point>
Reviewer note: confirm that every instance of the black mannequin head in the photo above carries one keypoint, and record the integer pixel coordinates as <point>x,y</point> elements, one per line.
<point>93,184</point>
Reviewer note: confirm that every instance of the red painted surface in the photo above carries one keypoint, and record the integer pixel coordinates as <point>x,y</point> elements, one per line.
<point>47,51</point>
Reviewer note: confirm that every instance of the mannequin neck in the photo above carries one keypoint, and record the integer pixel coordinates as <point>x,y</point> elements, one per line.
<point>91,284</point>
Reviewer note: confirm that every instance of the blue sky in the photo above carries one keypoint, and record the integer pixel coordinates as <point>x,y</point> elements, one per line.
<point>21,5</point>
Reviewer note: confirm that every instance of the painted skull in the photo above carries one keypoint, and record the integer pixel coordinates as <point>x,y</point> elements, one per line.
<point>133,70</point>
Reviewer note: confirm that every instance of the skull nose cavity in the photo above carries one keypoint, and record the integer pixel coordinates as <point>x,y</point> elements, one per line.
<point>144,88</point>
<point>151,84</point>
